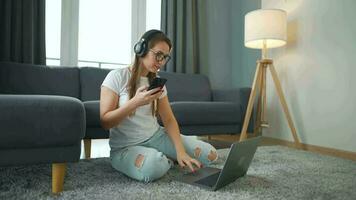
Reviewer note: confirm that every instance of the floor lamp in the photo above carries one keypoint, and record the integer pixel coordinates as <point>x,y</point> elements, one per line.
<point>264,29</point>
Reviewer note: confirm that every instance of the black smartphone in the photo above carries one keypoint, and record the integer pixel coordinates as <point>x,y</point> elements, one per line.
<point>157,82</point>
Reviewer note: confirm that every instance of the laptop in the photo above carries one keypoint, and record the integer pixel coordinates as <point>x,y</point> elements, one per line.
<point>236,165</point>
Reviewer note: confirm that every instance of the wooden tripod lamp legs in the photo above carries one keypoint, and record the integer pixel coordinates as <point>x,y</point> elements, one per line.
<point>284,103</point>
<point>256,80</point>
<point>260,80</point>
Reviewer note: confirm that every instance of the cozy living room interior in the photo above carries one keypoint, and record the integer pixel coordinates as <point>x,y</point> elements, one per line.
<point>280,69</point>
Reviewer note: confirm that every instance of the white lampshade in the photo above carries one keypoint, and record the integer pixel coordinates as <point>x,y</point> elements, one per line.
<point>265,25</point>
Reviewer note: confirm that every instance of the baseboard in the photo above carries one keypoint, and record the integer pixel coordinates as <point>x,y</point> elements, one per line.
<point>224,137</point>
<point>273,141</point>
<point>312,148</point>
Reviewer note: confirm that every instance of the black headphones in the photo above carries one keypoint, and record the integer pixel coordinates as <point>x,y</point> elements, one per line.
<point>141,47</point>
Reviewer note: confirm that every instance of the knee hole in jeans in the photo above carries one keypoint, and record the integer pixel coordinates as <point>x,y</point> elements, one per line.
<point>212,155</point>
<point>139,160</point>
<point>197,152</point>
<point>154,167</point>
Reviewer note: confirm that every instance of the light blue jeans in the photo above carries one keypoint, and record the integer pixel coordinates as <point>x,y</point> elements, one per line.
<point>155,152</point>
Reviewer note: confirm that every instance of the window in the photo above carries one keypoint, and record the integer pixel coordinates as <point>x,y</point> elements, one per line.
<point>153,14</point>
<point>104,36</point>
<point>53,31</point>
<point>104,31</point>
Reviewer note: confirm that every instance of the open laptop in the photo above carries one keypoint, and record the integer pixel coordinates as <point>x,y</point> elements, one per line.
<point>236,165</point>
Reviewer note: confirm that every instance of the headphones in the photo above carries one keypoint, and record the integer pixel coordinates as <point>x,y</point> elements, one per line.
<point>141,47</point>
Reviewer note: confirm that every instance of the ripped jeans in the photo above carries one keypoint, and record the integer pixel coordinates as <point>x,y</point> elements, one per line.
<point>152,153</point>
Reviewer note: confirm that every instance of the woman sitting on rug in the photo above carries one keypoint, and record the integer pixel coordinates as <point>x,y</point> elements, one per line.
<point>139,145</point>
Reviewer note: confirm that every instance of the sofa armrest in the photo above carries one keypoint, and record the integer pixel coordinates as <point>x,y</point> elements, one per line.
<point>30,121</point>
<point>238,95</point>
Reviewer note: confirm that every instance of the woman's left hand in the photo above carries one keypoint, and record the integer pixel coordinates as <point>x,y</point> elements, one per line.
<point>185,160</point>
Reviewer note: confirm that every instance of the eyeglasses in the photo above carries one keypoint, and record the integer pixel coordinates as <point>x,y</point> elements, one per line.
<point>160,56</point>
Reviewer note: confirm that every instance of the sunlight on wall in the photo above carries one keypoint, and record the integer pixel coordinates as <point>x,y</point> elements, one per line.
<point>316,72</point>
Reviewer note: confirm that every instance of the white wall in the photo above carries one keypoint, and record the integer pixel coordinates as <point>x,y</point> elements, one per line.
<point>316,69</point>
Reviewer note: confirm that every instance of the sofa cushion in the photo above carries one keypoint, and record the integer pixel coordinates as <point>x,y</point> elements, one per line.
<point>206,113</point>
<point>186,113</point>
<point>91,79</point>
<point>92,111</point>
<point>187,87</point>
<point>31,121</point>
<point>18,78</point>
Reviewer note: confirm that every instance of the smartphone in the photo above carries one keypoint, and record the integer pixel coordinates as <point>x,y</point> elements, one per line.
<point>157,82</point>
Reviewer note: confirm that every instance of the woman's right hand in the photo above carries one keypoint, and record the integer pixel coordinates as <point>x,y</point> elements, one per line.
<point>143,97</point>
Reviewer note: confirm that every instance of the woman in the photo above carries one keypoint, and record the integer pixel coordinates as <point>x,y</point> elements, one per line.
<point>139,146</point>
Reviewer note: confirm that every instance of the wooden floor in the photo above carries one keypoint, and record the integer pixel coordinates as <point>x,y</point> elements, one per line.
<point>100,147</point>
<point>224,141</point>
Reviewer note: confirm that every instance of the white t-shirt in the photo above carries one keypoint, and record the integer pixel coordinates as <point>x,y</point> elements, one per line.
<point>138,127</point>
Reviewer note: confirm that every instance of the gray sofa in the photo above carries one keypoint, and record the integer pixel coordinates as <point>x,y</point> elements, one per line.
<point>201,110</point>
<point>42,119</point>
<point>45,111</point>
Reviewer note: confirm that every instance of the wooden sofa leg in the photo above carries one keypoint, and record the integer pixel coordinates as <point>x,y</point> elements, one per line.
<point>58,173</point>
<point>87,148</point>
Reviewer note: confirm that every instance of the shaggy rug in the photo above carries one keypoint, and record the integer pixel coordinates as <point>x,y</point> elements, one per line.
<point>276,172</point>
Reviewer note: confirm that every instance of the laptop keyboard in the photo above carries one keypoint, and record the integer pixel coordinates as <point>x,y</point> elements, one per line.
<point>209,180</point>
